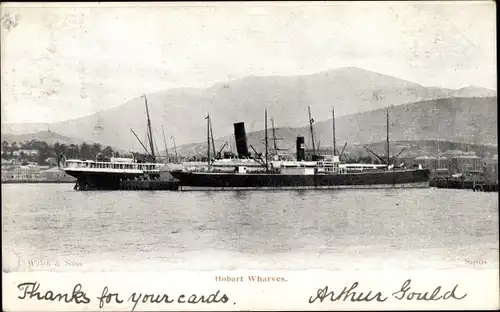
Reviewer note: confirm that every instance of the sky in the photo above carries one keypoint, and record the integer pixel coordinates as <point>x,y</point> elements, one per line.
<point>64,61</point>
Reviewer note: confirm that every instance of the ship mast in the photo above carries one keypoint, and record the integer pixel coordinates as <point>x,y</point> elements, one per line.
<point>275,139</point>
<point>274,135</point>
<point>265,124</point>
<point>333,133</point>
<point>388,157</point>
<point>175,148</point>
<point>311,128</point>
<point>165,140</point>
<point>212,137</point>
<point>149,130</point>
<point>208,140</point>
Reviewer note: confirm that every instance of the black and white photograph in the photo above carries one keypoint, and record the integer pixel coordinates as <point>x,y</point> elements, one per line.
<point>266,136</point>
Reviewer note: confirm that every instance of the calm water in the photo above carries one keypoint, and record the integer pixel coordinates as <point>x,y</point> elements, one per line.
<point>413,228</point>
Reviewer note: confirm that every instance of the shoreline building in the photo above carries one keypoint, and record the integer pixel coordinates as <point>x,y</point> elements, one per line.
<point>452,161</point>
<point>491,168</point>
<point>21,173</point>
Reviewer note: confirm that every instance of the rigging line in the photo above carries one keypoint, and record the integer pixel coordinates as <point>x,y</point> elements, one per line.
<point>155,133</point>
<point>156,146</point>
<point>147,140</point>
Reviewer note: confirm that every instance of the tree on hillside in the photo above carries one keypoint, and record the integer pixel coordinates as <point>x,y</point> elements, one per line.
<point>85,151</point>
<point>107,152</point>
<point>64,148</point>
<point>41,146</point>
<point>56,149</point>
<point>72,151</point>
<point>42,156</point>
<point>46,151</point>
<point>95,149</point>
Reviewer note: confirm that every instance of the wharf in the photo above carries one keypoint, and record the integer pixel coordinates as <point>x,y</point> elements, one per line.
<point>36,181</point>
<point>476,186</point>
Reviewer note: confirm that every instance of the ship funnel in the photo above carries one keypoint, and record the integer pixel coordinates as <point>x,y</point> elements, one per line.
<point>240,137</point>
<point>301,149</point>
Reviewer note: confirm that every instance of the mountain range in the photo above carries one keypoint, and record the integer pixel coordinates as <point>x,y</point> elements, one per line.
<point>359,96</point>
<point>461,120</point>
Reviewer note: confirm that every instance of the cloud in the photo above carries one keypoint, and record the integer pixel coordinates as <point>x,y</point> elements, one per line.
<point>92,57</point>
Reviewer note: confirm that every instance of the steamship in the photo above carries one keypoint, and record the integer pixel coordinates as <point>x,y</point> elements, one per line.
<point>120,173</point>
<point>320,172</point>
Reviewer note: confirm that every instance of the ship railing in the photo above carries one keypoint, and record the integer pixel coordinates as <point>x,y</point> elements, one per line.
<point>90,164</point>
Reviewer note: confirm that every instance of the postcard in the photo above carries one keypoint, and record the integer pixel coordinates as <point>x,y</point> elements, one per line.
<point>249,156</point>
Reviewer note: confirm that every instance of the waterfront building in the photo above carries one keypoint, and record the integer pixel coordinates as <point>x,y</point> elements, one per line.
<point>491,168</point>
<point>465,163</point>
<point>21,173</point>
<point>25,153</point>
<point>434,163</point>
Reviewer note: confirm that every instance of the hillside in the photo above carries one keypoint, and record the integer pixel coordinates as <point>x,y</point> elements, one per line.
<point>467,120</point>
<point>421,148</point>
<point>182,111</point>
<point>46,136</point>
<point>462,120</point>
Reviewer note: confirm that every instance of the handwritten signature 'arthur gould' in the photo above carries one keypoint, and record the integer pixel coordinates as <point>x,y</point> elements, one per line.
<point>404,293</point>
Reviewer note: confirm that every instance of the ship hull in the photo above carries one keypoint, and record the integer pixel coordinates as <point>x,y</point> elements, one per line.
<point>118,181</point>
<point>249,181</point>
